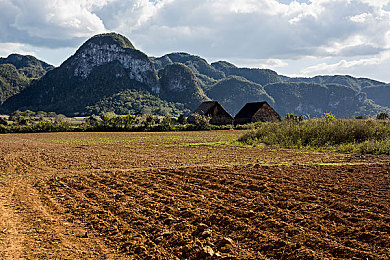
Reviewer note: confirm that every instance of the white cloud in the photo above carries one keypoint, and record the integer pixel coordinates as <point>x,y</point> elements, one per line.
<point>360,18</point>
<point>273,64</point>
<point>51,23</point>
<point>7,48</point>
<point>376,3</point>
<point>354,66</point>
<point>273,32</point>
<point>60,18</point>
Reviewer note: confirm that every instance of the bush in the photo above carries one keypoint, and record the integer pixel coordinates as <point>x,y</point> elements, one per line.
<point>293,118</point>
<point>166,123</point>
<point>202,122</point>
<point>3,121</point>
<point>361,117</point>
<point>182,119</point>
<point>317,133</point>
<point>382,116</point>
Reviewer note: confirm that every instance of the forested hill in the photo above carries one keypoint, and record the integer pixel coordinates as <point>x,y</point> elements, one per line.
<point>17,72</point>
<point>108,74</point>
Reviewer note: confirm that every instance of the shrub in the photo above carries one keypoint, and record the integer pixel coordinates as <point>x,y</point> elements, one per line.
<point>166,123</point>
<point>3,121</point>
<point>293,118</point>
<point>182,119</point>
<point>361,117</point>
<point>202,122</point>
<point>317,133</point>
<point>382,116</point>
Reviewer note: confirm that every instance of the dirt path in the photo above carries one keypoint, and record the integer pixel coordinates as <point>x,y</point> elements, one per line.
<point>11,230</point>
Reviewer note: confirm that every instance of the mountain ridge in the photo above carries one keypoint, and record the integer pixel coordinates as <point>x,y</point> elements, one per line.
<point>107,73</point>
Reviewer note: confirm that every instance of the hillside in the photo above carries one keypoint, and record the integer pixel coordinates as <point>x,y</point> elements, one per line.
<point>259,76</point>
<point>179,84</point>
<point>356,83</point>
<point>27,65</point>
<point>11,81</point>
<point>380,94</point>
<point>16,73</point>
<point>315,99</point>
<point>234,92</point>
<point>103,66</point>
<point>107,73</point>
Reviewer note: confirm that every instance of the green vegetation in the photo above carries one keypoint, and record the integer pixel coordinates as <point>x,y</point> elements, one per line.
<point>132,101</point>
<point>29,122</point>
<point>179,84</point>
<point>11,81</point>
<point>328,133</point>
<point>258,76</point>
<point>234,92</point>
<point>198,65</point>
<point>27,65</point>
<point>380,94</point>
<point>112,38</point>
<point>17,72</point>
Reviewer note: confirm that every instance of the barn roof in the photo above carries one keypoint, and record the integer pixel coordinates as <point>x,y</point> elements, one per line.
<point>250,109</point>
<point>219,115</point>
<point>205,107</point>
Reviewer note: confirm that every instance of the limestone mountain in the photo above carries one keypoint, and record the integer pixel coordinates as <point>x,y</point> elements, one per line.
<point>356,83</point>
<point>17,72</point>
<point>27,65</point>
<point>259,76</point>
<point>104,65</point>
<point>315,99</point>
<point>198,65</point>
<point>107,74</point>
<point>11,81</point>
<point>380,94</point>
<point>234,92</point>
<point>204,72</point>
<point>179,84</point>
<point>113,48</point>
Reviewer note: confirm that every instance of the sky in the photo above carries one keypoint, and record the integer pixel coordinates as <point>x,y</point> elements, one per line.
<point>294,38</point>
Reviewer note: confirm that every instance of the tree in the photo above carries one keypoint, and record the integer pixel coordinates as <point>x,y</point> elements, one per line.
<point>182,119</point>
<point>202,122</point>
<point>382,116</point>
<point>167,122</point>
<point>3,121</point>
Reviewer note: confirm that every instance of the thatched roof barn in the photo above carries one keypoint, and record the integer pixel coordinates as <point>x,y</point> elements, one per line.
<point>219,116</point>
<point>256,112</point>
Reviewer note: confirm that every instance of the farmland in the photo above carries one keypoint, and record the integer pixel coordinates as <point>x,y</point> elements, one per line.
<point>187,195</point>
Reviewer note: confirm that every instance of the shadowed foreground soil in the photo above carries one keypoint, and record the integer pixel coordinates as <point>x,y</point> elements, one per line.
<point>138,199</point>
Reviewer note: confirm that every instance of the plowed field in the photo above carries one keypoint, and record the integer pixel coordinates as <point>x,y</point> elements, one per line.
<point>187,195</point>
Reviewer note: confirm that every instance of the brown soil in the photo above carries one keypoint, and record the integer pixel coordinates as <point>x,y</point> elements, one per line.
<point>187,196</point>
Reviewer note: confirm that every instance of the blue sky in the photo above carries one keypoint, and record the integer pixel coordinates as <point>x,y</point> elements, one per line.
<point>296,38</point>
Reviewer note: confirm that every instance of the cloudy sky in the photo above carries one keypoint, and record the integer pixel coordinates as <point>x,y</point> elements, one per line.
<point>297,38</point>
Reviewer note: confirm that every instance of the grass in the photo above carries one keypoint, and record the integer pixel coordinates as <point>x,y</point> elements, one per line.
<point>341,135</point>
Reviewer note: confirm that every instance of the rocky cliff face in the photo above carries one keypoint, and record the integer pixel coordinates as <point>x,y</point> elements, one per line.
<point>103,49</point>
<point>103,66</point>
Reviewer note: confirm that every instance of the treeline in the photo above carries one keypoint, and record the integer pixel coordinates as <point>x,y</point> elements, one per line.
<point>359,135</point>
<point>31,122</point>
